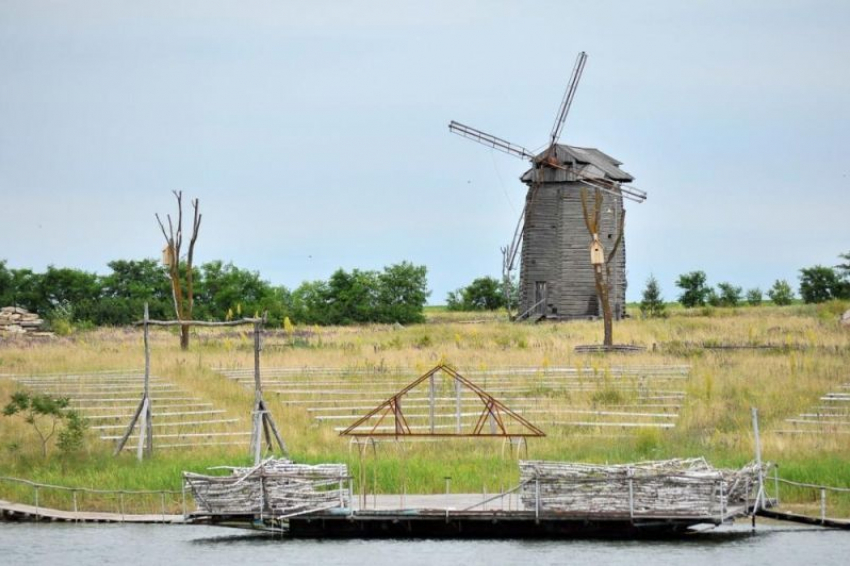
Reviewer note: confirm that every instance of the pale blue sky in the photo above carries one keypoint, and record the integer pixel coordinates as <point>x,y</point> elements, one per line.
<point>315,133</point>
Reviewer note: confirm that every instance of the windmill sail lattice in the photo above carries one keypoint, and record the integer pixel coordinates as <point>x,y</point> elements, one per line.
<point>442,403</point>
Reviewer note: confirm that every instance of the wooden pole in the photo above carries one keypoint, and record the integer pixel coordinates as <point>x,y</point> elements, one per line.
<point>431,401</point>
<point>263,423</point>
<point>457,404</point>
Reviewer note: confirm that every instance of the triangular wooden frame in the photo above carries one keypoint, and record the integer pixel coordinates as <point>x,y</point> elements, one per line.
<point>493,411</point>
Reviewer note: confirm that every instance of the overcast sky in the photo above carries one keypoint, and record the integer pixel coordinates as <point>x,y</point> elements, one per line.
<point>315,133</point>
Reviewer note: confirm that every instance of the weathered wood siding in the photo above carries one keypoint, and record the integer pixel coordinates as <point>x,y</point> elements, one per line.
<point>556,249</point>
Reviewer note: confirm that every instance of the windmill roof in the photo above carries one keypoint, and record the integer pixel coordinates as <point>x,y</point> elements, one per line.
<point>589,161</point>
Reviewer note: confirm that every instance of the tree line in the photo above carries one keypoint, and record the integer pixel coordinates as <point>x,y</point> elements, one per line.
<point>222,291</point>
<point>818,284</point>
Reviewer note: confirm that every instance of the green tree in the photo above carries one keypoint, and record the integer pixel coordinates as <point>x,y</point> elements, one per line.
<point>310,301</point>
<point>695,291</point>
<point>483,294</point>
<point>44,413</point>
<point>652,304</point>
<point>72,436</point>
<point>402,293</point>
<point>754,296</point>
<point>353,297</point>
<point>27,290</point>
<point>127,287</point>
<point>224,288</point>
<point>729,294</point>
<point>819,284</point>
<point>781,293</point>
<point>6,288</point>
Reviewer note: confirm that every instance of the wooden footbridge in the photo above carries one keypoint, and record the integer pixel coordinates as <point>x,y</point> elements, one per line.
<point>524,511</point>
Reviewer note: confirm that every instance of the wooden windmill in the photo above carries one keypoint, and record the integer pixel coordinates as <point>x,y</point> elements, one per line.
<point>556,275</point>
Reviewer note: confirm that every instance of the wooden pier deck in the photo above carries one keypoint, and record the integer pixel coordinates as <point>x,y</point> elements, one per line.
<point>21,512</point>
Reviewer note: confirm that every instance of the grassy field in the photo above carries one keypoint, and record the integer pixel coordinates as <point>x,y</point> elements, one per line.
<point>809,356</point>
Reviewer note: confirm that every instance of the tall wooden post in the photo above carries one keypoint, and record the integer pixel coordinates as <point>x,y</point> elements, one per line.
<point>143,411</point>
<point>264,425</point>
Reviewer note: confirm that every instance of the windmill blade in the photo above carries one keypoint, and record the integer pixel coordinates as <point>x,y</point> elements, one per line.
<point>490,141</point>
<point>567,101</point>
<point>516,242</point>
<point>631,193</point>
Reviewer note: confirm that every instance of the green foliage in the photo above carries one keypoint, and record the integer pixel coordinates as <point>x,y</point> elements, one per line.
<point>43,412</point>
<point>819,284</point>
<point>70,298</point>
<point>729,295</point>
<point>754,296</point>
<point>397,294</point>
<point>712,298</point>
<point>844,268</point>
<point>652,304</point>
<point>483,294</point>
<point>695,291</point>
<point>781,293</point>
<point>402,292</point>
<point>72,436</point>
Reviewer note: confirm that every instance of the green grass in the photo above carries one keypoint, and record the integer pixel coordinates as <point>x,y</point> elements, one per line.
<point>714,422</point>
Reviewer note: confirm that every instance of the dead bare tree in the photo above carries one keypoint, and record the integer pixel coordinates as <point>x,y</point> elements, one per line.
<point>601,263</point>
<point>180,271</point>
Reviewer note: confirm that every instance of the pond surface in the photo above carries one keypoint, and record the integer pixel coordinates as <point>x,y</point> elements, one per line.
<point>27,543</point>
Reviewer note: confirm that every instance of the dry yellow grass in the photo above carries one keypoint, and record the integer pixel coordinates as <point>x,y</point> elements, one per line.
<point>714,421</point>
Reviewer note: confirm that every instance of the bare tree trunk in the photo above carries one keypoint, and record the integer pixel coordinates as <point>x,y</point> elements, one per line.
<point>183,305</point>
<point>602,278</point>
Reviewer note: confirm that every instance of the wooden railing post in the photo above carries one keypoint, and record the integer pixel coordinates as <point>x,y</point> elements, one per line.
<point>537,501</point>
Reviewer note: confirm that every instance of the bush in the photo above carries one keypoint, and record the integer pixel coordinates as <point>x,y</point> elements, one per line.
<point>695,291</point>
<point>652,304</point>
<point>781,293</point>
<point>729,295</point>
<point>819,284</point>
<point>483,294</point>
<point>754,296</point>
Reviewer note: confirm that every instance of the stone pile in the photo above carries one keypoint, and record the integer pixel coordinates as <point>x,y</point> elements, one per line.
<point>18,320</point>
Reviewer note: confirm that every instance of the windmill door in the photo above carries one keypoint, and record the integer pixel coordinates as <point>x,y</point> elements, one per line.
<point>541,297</point>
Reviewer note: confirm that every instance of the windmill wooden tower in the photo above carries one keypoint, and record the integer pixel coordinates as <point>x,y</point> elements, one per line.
<point>556,276</point>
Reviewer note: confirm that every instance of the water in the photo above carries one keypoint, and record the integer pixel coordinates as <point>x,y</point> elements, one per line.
<point>22,543</point>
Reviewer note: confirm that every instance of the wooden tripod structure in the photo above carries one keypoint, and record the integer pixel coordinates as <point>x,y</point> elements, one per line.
<point>263,423</point>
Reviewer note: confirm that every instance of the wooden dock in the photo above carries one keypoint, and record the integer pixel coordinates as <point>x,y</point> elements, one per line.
<point>30,513</point>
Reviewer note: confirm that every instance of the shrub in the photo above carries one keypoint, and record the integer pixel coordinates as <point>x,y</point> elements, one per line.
<point>483,294</point>
<point>695,291</point>
<point>754,296</point>
<point>781,293</point>
<point>819,284</point>
<point>652,304</point>
<point>729,295</point>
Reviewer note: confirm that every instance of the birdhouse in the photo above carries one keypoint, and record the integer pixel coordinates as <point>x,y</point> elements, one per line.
<point>597,253</point>
<point>167,256</point>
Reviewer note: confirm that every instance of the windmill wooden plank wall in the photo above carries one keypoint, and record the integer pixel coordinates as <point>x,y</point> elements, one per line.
<point>555,261</point>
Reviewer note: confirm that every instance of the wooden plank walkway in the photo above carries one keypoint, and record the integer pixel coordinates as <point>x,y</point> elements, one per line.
<point>804,519</point>
<point>20,512</point>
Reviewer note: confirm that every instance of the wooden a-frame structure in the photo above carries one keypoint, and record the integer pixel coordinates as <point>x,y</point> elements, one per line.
<point>263,423</point>
<point>504,423</point>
